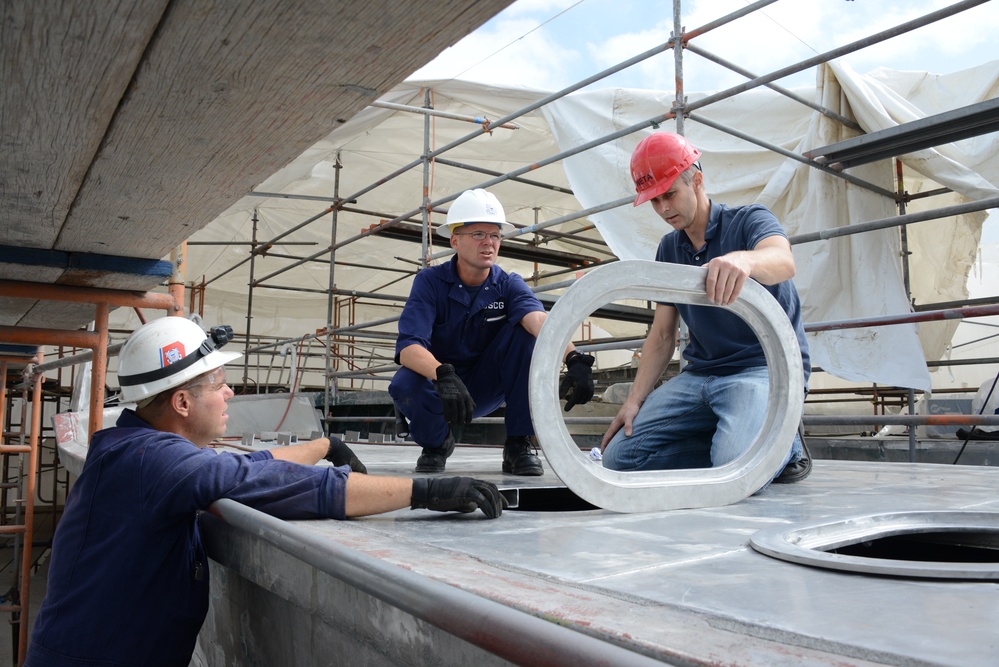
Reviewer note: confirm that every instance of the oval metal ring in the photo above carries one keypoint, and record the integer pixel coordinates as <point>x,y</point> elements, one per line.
<point>654,490</point>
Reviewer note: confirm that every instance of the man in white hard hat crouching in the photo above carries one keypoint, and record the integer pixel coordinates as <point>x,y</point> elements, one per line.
<point>466,336</point>
<point>128,579</point>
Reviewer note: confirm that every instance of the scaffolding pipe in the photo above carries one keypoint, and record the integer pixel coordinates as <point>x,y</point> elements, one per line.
<point>380,269</point>
<point>233,267</point>
<point>282,195</point>
<point>828,113</point>
<point>835,53</point>
<point>679,100</point>
<point>29,507</point>
<point>330,298</point>
<point>306,337</point>
<point>904,243</point>
<point>98,371</point>
<point>3,407</point>
<point>73,360</point>
<point>371,370</point>
<point>429,111</point>
<point>907,219</point>
<point>901,420</point>
<point>793,156</point>
<point>562,272</point>
<point>369,295</point>
<point>984,301</point>
<point>491,172</point>
<point>383,216</point>
<point>925,316</point>
<point>428,161</point>
<point>175,285</point>
<point>74,294</point>
<point>229,244</point>
<point>249,300</point>
<point>37,336</point>
<point>962,362</point>
<point>307,290</point>
<point>728,18</point>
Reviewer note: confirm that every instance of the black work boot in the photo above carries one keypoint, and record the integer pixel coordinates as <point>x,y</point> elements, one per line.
<point>795,471</point>
<point>432,460</point>
<point>518,458</point>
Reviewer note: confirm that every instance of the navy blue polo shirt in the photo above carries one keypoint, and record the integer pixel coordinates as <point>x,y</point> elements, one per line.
<point>721,343</point>
<point>457,326</point>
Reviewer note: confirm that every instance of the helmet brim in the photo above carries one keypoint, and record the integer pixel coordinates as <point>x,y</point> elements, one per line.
<point>654,191</point>
<point>447,230</point>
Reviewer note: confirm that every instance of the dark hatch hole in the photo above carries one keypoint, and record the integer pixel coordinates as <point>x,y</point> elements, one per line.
<point>943,547</point>
<point>545,499</point>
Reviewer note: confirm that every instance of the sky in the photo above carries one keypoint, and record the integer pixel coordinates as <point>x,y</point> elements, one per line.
<point>552,44</point>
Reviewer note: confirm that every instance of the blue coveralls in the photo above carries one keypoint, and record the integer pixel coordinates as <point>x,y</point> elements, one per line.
<point>483,340</point>
<point>128,581</point>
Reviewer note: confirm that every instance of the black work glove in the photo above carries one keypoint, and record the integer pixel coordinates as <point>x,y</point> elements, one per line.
<point>457,494</point>
<point>339,454</point>
<point>577,385</point>
<point>457,402</point>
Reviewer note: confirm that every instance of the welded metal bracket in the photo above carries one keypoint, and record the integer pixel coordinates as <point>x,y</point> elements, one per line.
<point>648,491</point>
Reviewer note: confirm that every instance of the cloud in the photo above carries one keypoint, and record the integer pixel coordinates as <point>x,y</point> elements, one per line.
<point>543,7</point>
<point>510,52</point>
<point>550,44</point>
<point>786,33</point>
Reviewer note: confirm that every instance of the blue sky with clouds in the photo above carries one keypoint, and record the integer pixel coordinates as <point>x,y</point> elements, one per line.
<point>551,44</point>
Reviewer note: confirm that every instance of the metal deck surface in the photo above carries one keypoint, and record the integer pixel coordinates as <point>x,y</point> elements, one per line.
<point>685,584</point>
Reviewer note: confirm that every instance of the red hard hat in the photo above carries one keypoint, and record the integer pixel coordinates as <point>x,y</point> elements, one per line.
<point>658,159</point>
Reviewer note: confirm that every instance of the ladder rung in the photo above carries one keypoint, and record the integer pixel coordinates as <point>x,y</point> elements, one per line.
<point>10,608</point>
<point>15,449</point>
<point>12,529</point>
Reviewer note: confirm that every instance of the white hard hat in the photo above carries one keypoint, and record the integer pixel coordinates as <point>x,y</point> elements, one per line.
<point>166,353</point>
<point>474,206</point>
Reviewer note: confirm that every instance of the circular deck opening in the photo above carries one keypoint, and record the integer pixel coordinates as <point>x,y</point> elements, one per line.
<point>934,545</point>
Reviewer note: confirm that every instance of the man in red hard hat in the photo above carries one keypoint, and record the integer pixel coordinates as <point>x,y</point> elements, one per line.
<point>709,414</point>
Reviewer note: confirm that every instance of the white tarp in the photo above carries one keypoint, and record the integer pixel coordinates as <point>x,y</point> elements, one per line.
<point>848,277</point>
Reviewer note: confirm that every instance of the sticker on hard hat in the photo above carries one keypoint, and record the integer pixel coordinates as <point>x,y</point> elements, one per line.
<point>171,354</point>
<point>643,182</point>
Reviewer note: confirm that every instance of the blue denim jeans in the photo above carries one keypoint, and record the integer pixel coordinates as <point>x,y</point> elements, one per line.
<point>696,421</point>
